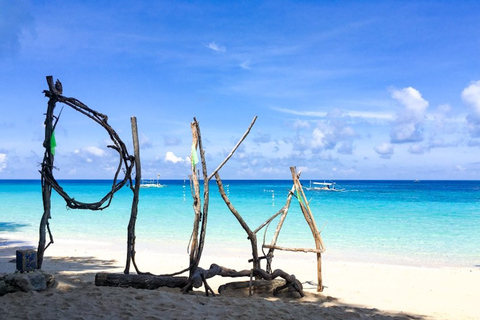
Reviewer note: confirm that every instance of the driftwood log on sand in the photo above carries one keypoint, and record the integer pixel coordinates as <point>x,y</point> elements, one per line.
<point>139,281</point>
<point>144,281</point>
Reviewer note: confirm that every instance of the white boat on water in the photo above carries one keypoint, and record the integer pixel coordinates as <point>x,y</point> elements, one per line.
<point>323,186</point>
<point>152,183</point>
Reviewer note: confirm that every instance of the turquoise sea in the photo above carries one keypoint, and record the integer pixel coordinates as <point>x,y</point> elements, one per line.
<point>426,223</point>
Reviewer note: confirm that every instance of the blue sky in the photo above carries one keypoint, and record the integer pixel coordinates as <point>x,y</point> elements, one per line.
<point>342,89</point>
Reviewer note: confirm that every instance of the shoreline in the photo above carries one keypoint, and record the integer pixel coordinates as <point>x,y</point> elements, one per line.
<point>424,292</point>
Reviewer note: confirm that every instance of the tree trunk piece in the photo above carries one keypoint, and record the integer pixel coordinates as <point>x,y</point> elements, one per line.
<point>139,281</point>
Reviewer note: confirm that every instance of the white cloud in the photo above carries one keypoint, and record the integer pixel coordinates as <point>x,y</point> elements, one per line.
<point>370,115</point>
<point>299,124</point>
<point>319,114</point>
<point>3,161</point>
<point>408,125</point>
<point>471,96</point>
<point>319,137</point>
<point>94,151</point>
<point>364,115</point>
<point>417,148</point>
<point>385,150</point>
<point>87,152</point>
<point>245,65</point>
<point>412,100</point>
<point>331,133</point>
<point>334,132</point>
<point>215,47</point>
<point>171,157</point>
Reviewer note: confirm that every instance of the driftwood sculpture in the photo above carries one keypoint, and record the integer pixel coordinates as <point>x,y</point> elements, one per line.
<point>197,275</point>
<point>297,190</point>
<point>48,181</point>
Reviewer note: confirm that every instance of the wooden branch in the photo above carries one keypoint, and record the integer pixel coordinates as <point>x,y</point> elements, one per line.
<point>54,93</point>
<point>307,213</point>
<point>292,249</point>
<point>206,196</point>
<point>251,235</point>
<point>284,211</point>
<point>269,220</point>
<point>233,150</point>
<point>215,270</point>
<point>198,242</point>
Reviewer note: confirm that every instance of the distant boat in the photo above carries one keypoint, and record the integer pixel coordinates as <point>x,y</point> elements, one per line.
<point>416,180</point>
<point>152,183</point>
<point>323,186</point>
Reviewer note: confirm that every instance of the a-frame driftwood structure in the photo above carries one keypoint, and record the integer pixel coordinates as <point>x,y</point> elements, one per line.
<point>297,191</point>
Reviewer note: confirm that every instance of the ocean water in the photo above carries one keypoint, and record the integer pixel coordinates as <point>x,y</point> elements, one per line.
<point>429,223</point>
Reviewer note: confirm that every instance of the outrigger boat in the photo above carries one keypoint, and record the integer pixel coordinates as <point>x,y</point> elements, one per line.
<point>152,183</point>
<point>323,186</point>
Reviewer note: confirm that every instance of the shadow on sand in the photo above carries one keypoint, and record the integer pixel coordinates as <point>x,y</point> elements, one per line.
<point>80,272</point>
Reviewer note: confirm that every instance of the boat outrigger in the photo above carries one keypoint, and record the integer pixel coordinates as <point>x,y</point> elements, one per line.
<point>323,186</point>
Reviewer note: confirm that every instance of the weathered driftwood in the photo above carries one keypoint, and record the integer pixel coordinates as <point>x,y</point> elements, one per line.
<point>283,212</point>
<point>234,149</point>
<point>215,270</point>
<point>292,249</point>
<point>126,161</point>
<point>304,206</point>
<point>198,240</point>
<point>247,288</point>
<point>136,192</point>
<point>251,235</point>
<point>139,281</point>
<point>47,167</point>
<point>48,181</point>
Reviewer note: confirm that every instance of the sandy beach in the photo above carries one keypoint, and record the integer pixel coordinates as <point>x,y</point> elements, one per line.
<point>353,290</point>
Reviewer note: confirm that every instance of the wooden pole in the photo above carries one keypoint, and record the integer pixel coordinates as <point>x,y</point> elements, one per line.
<point>196,208</point>
<point>136,191</point>
<point>47,166</point>
<point>307,213</point>
<point>206,196</point>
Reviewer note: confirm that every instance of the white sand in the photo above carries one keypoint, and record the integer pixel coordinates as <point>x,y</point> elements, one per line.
<point>353,290</point>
